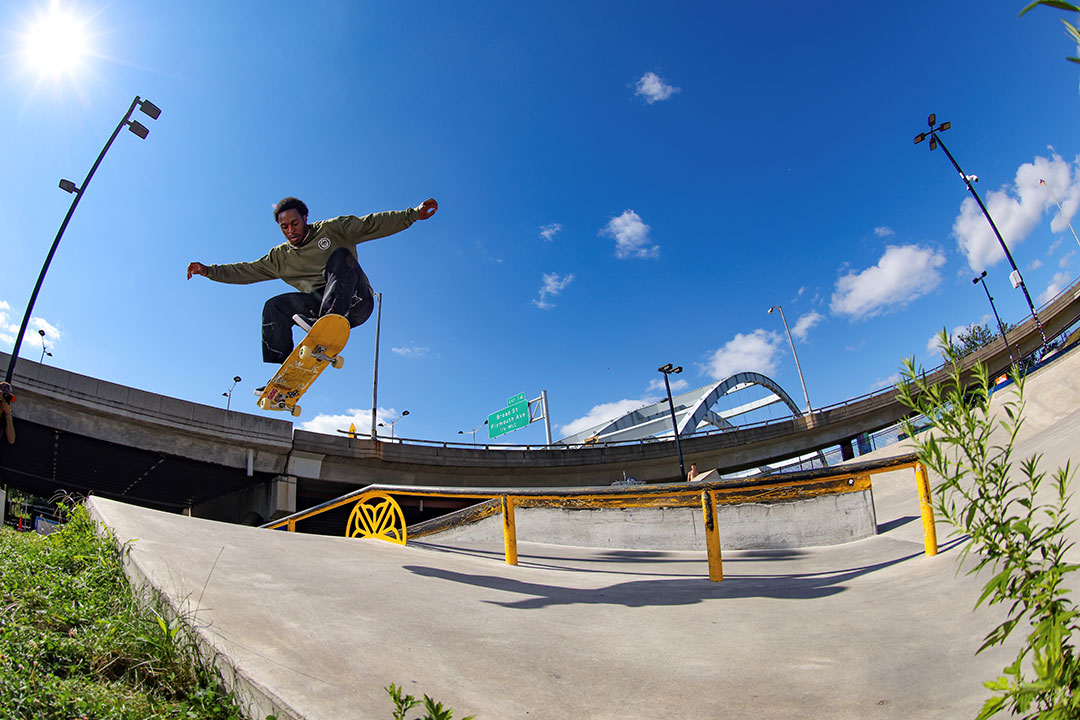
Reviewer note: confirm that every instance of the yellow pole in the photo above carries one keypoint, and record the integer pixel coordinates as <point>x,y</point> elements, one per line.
<point>291,526</point>
<point>712,537</point>
<point>927,507</point>
<point>509,530</point>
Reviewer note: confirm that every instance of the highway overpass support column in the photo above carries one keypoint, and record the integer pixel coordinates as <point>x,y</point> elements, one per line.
<point>253,505</point>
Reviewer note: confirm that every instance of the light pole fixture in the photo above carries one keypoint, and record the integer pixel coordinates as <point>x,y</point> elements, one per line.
<point>473,431</point>
<point>981,278</point>
<point>44,352</point>
<point>228,394</point>
<point>150,110</point>
<point>668,369</point>
<point>391,424</point>
<point>797,366</point>
<point>1063,215</point>
<point>1018,279</point>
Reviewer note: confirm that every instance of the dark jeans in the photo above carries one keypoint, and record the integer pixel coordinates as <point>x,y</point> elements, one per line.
<point>347,293</point>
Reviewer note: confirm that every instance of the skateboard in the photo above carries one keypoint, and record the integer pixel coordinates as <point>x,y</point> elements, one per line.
<point>305,363</point>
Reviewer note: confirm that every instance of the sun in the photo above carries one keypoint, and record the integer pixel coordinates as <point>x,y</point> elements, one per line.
<point>56,43</point>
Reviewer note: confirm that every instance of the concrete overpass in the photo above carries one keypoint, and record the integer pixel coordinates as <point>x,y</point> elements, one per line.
<point>83,435</point>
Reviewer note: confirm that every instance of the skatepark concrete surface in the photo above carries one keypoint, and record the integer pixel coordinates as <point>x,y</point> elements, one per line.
<point>315,627</point>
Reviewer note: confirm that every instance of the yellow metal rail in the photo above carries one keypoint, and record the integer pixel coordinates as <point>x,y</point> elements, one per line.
<point>376,514</point>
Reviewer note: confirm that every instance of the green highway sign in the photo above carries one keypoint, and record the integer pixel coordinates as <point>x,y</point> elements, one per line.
<point>510,418</point>
<point>519,398</point>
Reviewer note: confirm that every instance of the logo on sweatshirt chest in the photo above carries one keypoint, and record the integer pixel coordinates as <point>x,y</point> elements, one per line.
<point>323,243</point>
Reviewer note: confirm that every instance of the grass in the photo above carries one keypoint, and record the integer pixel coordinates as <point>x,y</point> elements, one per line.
<point>77,643</point>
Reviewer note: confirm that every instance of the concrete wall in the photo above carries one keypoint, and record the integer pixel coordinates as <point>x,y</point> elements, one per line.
<point>822,520</point>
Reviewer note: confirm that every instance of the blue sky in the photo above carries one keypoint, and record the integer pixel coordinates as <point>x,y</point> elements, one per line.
<point>621,185</point>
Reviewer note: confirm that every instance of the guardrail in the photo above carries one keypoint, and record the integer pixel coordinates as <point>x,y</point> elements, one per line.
<point>377,515</point>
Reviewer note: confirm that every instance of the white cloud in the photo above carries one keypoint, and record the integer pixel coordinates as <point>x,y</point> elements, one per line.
<point>553,285</point>
<point>1066,260</point>
<point>886,382</point>
<point>548,232</point>
<point>330,424</point>
<point>755,351</point>
<point>631,236</point>
<point>9,330</point>
<point>1016,210</point>
<point>883,231</point>
<point>653,88</point>
<point>413,351</point>
<point>1056,285</point>
<point>603,413</point>
<point>677,386</point>
<point>903,274</point>
<point>805,323</point>
<point>1035,264</point>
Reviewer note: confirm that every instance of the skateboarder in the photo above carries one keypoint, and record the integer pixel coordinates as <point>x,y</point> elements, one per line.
<point>319,260</point>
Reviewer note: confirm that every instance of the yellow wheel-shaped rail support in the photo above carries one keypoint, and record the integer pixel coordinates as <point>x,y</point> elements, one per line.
<point>377,515</point>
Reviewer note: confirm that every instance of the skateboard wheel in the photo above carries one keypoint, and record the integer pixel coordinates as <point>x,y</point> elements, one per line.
<point>303,351</point>
<point>263,404</point>
<point>337,362</point>
<point>295,410</point>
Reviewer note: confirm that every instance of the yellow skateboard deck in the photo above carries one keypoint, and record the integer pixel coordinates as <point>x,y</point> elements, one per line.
<point>305,363</point>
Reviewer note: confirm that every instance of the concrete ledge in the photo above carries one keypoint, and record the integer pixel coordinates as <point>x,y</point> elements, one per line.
<point>257,700</point>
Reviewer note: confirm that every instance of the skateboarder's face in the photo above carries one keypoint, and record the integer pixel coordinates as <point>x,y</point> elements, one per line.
<point>293,226</point>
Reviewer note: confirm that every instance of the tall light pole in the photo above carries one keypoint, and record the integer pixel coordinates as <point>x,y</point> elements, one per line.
<point>473,432</point>
<point>981,278</point>
<point>797,366</point>
<point>394,422</point>
<point>44,351</point>
<point>668,369</point>
<point>375,381</point>
<point>1063,215</point>
<point>935,140</point>
<point>150,110</point>
<point>228,394</point>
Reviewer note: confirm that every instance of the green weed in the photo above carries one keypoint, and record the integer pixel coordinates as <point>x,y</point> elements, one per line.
<point>76,641</point>
<point>1017,529</point>
<point>432,710</point>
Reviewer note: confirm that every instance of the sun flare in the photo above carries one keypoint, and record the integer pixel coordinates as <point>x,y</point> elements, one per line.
<point>56,43</point>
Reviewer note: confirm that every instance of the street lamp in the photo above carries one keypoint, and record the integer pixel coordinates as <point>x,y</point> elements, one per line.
<point>473,431</point>
<point>150,110</point>
<point>797,366</point>
<point>668,369</point>
<point>1017,278</point>
<point>228,395</point>
<point>1001,326</point>
<point>1063,215</point>
<point>44,352</point>
<point>391,424</point>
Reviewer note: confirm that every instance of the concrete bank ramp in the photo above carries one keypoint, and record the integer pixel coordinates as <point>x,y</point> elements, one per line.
<point>314,627</point>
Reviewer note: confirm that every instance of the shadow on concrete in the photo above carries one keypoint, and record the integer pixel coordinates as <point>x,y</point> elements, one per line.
<point>898,522</point>
<point>666,592</point>
<point>554,562</point>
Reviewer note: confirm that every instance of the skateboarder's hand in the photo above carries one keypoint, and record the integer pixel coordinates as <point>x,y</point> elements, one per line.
<point>427,208</point>
<point>195,268</point>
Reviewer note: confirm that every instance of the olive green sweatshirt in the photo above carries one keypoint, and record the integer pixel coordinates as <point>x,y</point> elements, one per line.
<point>302,266</point>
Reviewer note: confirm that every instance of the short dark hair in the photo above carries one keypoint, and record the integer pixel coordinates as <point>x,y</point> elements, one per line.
<point>290,203</point>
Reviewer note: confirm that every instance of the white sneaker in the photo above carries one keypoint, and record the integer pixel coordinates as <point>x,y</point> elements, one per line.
<point>302,323</point>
